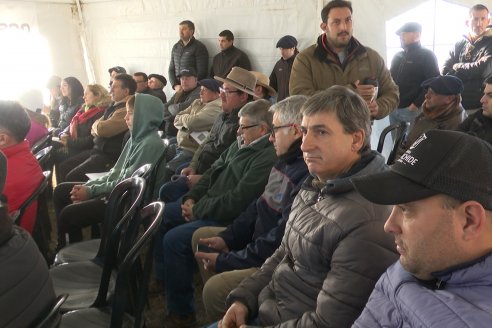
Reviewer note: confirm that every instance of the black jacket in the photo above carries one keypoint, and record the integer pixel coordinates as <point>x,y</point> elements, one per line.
<point>193,55</point>
<point>478,125</point>
<point>409,69</point>
<point>225,60</point>
<point>279,79</point>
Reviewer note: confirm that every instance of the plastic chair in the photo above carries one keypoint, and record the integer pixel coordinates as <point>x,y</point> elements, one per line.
<point>43,142</point>
<point>401,132</point>
<point>17,215</point>
<point>52,319</point>
<point>127,304</point>
<point>43,156</point>
<point>90,249</point>
<point>81,279</point>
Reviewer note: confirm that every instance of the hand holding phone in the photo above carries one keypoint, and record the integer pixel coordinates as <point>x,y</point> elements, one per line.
<point>206,249</point>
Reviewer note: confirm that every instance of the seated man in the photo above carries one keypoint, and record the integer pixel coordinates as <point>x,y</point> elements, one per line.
<point>79,205</point>
<point>442,225</point>
<point>256,233</point>
<point>334,248</point>
<point>156,85</point>
<point>181,100</point>
<point>224,191</point>
<point>263,90</point>
<point>26,290</point>
<point>441,108</point>
<point>23,171</point>
<point>479,123</point>
<point>196,119</point>
<point>108,132</point>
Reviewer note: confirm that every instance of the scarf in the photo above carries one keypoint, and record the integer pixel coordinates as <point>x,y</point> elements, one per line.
<point>442,112</point>
<point>82,116</point>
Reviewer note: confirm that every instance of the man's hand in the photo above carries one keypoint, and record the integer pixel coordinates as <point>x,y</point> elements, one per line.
<point>412,107</point>
<point>373,109</point>
<point>235,316</point>
<point>79,193</point>
<point>187,171</point>
<point>193,179</point>
<point>187,209</point>
<point>178,88</point>
<point>215,242</point>
<point>63,139</point>
<point>208,260</point>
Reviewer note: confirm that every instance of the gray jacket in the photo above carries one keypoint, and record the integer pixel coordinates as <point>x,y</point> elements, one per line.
<point>333,251</point>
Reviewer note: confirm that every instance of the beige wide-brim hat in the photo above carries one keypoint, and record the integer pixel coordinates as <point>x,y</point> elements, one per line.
<point>264,81</point>
<point>240,79</point>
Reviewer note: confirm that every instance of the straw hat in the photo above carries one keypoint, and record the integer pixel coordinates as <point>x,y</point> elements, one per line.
<point>264,81</point>
<point>240,79</point>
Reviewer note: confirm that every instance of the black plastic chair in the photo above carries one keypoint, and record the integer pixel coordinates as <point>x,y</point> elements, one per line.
<point>17,215</point>
<point>43,142</point>
<point>81,279</point>
<point>126,306</point>
<point>43,156</point>
<point>401,133</point>
<point>52,319</point>
<point>90,249</point>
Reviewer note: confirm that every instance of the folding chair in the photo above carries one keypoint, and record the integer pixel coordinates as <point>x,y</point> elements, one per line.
<point>401,131</point>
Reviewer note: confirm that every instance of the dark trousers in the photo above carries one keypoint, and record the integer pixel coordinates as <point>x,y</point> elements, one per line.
<point>73,217</point>
<point>75,168</point>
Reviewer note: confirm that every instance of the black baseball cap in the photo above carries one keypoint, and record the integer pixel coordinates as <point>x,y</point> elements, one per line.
<point>438,162</point>
<point>187,72</point>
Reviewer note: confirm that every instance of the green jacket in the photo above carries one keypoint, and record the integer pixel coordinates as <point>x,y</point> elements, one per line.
<point>235,179</point>
<point>144,146</point>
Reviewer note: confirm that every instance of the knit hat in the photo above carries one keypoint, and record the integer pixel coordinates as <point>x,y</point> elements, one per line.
<point>444,85</point>
<point>264,81</point>
<point>287,42</point>
<point>409,27</point>
<point>240,79</point>
<point>210,84</point>
<point>159,77</point>
<point>438,162</point>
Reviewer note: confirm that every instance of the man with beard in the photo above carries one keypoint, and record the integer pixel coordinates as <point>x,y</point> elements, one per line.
<point>441,109</point>
<point>338,58</point>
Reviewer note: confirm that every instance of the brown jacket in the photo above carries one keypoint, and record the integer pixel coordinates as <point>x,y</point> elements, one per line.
<point>316,69</point>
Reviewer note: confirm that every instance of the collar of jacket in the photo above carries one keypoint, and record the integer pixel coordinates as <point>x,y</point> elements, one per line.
<point>323,52</point>
<point>486,34</point>
<point>192,39</point>
<point>341,184</point>
<point>228,50</point>
<point>256,144</point>
<point>232,115</point>
<point>412,47</point>
<point>293,153</point>
<point>455,273</point>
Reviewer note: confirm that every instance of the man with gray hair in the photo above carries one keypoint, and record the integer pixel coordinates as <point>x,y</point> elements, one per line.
<point>334,248</point>
<point>256,233</point>
<point>223,192</point>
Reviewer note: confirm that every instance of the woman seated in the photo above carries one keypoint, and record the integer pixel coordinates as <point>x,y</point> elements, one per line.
<point>79,205</point>
<point>72,98</point>
<point>77,136</point>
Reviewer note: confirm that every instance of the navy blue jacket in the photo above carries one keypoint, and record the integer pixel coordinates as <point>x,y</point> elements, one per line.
<point>257,232</point>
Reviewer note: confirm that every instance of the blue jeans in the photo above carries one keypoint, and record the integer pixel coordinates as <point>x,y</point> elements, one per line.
<point>179,265</point>
<point>172,194</point>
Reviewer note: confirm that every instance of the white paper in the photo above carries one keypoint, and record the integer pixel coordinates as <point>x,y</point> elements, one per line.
<point>93,176</point>
<point>200,136</point>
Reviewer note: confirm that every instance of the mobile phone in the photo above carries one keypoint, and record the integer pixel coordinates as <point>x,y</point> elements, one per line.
<point>206,249</point>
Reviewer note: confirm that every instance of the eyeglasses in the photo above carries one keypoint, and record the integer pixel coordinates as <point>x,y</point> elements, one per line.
<point>274,129</point>
<point>245,127</point>
<point>222,90</point>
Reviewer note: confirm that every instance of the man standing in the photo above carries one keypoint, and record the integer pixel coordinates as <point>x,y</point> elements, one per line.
<point>339,59</point>
<point>409,69</point>
<point>228,57</point>
<point>279,78</point>
<point>471,58</point>
<point>479,124</point>
<point>188,52</point>
<point>189,91</point>
<point>334,248</point>
<point>441,109</point>
<point>256,233</point>
<point>442,225</point>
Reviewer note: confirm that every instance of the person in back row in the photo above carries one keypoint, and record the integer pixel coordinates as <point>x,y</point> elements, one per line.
<point>334,248</point>
<point>442,226</point>
<point>108,132</point>
<point>79,205</point>
<point>279,78</point>
<point>228,57</point>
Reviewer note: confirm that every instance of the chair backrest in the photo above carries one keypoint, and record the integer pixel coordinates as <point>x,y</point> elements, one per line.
<point>43,155</point>
<point>133,273</point>
<point>143,171</point>
<point>401,132</point>
<point>17,217</point>
<point>52,318</point>
<point>42,143</point>
<point>123,202</point>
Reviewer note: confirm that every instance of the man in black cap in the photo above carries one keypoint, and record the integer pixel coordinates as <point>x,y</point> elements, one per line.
<point>279,78</point>
<point>442,225</point>
<point>182,99</point>
<point>441,109</point>
<point>228,57</point>
<point>471,58</point>
<point>409,69</point>
<point>156,85</point>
